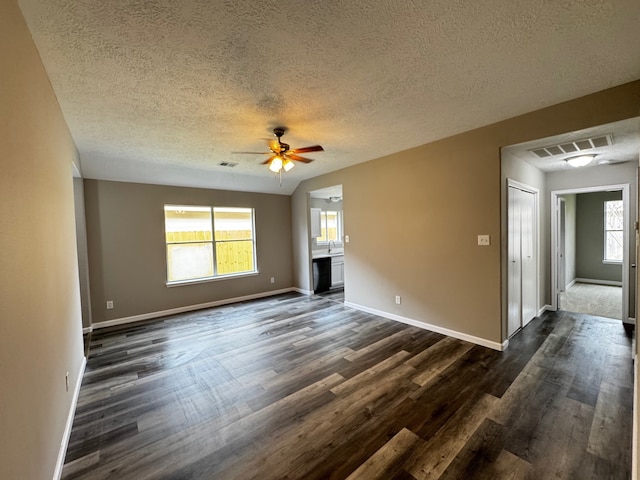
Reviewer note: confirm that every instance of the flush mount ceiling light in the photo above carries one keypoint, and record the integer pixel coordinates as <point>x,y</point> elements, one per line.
<point>580,161</point>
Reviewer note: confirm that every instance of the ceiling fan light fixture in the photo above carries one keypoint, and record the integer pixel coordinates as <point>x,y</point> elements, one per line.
<point>282,156</point>
<point>580,161</point>
<point>287,165</point>
<point>276,164</point>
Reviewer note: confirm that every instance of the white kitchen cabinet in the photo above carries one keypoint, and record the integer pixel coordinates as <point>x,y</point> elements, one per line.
<point>337,271</point>
<point>316,227</point>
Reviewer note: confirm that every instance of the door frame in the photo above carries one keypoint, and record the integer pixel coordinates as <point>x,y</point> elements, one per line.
<point>536,236</point>
<point>561,245</point>
<point>555,194</point>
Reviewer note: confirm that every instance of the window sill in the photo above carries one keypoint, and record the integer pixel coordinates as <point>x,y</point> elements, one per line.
<point>180,283</point>
<point>612,262</point>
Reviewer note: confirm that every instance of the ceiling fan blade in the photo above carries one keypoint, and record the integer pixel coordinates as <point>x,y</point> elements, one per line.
<point>268,160</point>
<point>315,148</point>
<point>297,158</point>
<point>254,153</point>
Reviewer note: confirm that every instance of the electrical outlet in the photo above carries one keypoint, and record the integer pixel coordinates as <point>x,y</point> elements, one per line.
<point>398,300</point>
<point>484,240</point>
<point>109,304</point>
<point>273,279</point>
<point>66,381</point>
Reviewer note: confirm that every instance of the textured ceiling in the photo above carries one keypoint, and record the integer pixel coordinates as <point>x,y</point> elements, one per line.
<point>161,91</point>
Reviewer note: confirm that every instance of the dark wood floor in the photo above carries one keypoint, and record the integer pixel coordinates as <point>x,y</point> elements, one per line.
<point>304,387</point>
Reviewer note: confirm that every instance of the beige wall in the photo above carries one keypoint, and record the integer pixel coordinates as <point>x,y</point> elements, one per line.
<point>127,264</point>
<point>431,202</point>
<point>40,324</point>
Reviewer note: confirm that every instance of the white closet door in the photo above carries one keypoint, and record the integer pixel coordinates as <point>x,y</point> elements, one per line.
<point>514,273</point>
<point>528,256</point>
<point>522,258</point>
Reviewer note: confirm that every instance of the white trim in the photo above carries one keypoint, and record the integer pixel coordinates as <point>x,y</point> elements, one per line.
<point>215,278</point>
<point>522,186</point>
<point>594,281</point>
<point>433,328</point>
<point>636,420</point>
<point>571,283</point>
<point>188,308</point>
<point>544,309</point>
<point>88,329</point>
<point>67,428</point>
<point>303,292</point>
<point>630,321</point>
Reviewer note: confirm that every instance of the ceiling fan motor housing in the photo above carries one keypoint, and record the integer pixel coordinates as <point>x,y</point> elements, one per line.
<point>282,147</point>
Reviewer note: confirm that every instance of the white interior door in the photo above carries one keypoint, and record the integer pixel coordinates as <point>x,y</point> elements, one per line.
<point>514,288</point>
<point>522,258</point>
<point>528,256</point>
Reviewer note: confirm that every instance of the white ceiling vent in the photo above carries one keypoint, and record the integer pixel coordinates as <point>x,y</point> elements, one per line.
<point>573,147</point>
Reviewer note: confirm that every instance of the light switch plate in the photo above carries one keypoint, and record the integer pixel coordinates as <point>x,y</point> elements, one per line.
<point>484,240</point>
<point>346,239</point>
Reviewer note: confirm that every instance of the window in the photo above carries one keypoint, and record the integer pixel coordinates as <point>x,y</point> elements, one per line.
<point>330,227</point>
<point>235,252</point>
<point>204,242</point>
<point>613,234</point>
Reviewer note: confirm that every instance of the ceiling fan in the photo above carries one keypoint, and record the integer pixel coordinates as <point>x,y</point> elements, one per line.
<point>281,154</point>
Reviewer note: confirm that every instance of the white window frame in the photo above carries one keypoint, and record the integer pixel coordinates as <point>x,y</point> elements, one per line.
<point>323,222</point>
<point>213,243</point>
<point>607,230</point>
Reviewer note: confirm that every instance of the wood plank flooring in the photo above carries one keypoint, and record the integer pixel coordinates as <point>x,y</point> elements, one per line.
<point>298,387</point>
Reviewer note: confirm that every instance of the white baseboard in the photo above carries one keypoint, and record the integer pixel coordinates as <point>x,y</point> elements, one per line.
<point>303,292</point>
<point>598,282</point>
<point>545,309</point>
<point>571,283</point>
<point>188,308</point>
<point>67,428</point>
<point>433,328</point>
<point>630,321</point>
<point>87,330</point>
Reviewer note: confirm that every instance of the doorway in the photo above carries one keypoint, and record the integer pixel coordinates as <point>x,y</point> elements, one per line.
<point>327,241</point>
<point>573,289</point>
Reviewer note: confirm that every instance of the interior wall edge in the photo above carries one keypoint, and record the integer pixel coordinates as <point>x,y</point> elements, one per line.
<point>67,429</point>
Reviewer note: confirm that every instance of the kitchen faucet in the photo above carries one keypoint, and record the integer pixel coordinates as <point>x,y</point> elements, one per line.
<point>334,244</point>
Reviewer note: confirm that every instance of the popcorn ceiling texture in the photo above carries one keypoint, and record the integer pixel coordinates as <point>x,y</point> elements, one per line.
<point>161,91</point>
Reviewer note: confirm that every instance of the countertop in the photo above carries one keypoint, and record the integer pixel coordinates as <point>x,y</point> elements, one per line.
<point>328,255</point>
